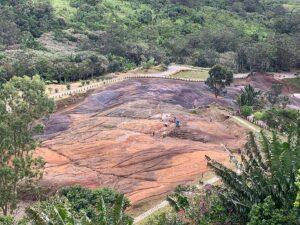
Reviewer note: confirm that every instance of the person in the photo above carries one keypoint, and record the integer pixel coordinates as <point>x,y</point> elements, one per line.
<point>177,123</point>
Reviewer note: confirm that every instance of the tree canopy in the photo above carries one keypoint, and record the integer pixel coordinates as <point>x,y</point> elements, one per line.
<point>22,103</point>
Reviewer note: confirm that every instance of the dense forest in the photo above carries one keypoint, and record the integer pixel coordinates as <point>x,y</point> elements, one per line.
<point>65,40</point>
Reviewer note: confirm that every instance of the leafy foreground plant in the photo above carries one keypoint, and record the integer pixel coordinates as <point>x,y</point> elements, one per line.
<point>201,205</point>
<point>87,200</point>
<point>59,211</point>
<point>266,174</point>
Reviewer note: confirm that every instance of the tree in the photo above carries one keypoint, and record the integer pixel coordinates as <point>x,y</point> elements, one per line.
<point>297,202</point>
<point>267,168</point>
<point>219,77</point>
<point>248,97</point>
<point>22,103</point>
<point>274,95</point>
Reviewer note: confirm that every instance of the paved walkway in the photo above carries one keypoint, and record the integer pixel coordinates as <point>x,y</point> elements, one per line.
<point>166,203</point>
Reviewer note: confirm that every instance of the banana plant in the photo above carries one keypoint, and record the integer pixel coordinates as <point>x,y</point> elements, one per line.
<point>267,168</point>
<point>55,212</point>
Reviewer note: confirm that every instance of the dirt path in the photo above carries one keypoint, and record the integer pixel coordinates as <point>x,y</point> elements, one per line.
<point>166,203</point>
<point>172,69</point>
<point>246,124</point>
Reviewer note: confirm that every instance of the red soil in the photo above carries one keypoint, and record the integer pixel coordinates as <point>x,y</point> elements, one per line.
<point>107,140</point>
<point>264,81</point>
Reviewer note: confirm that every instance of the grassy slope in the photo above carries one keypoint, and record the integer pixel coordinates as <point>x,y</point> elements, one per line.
<point>63,8</point>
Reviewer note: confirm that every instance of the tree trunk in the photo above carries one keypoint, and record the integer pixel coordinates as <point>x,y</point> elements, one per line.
<point>5,210</point>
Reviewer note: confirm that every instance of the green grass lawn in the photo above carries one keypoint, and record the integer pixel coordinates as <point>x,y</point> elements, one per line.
<point>201,74</point>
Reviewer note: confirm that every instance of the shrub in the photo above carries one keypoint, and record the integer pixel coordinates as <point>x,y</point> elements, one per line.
<point>150,63</point>
<point>260,115</point>
<point>265,213</point>
<point>246,110</point>
<point>50,90</point>
<point>89,200</point>
<point>6,220</point>
<point>166,219</point>
<point>82,82</point>
<point>283,120</point>
<point>68,86</point>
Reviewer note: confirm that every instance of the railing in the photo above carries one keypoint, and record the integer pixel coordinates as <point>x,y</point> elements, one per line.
<point>102,83</point>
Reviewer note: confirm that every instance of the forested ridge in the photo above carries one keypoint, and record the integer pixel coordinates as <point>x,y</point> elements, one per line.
<point>65,40</point>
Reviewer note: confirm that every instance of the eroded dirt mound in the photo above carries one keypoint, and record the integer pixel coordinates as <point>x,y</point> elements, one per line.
<point>264,81</point>
<point>116,138</point>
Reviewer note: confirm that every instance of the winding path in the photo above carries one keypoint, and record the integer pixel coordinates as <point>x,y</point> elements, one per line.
<point>172,69</point>
<point>166,203</point>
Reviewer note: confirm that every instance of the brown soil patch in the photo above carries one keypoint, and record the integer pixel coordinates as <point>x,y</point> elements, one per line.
<point>264,81</point>
<point>114,138</point>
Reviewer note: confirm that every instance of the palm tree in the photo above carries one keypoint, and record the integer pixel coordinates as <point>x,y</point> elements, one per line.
<point>267,168</point>
<point>248,97</point>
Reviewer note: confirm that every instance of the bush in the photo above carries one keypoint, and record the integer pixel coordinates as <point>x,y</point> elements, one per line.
<point>260,115</point>
<point>150,63</point>
<point>266,213</point>
<point>89,200</point>
<point>166,219</point>
<point>6,220</point>
<point>283,120</point>
<point>68,86</point>
<point>246,110</point>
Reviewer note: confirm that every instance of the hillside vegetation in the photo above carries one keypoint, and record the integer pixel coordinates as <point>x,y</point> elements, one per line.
<point>67,40</point>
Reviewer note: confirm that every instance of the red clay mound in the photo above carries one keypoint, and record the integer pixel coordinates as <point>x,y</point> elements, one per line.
<point>264,81</point>
<point>116,138</point>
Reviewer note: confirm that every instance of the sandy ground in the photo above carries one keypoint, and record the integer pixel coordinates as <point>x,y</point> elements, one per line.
<point>116,138</point>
